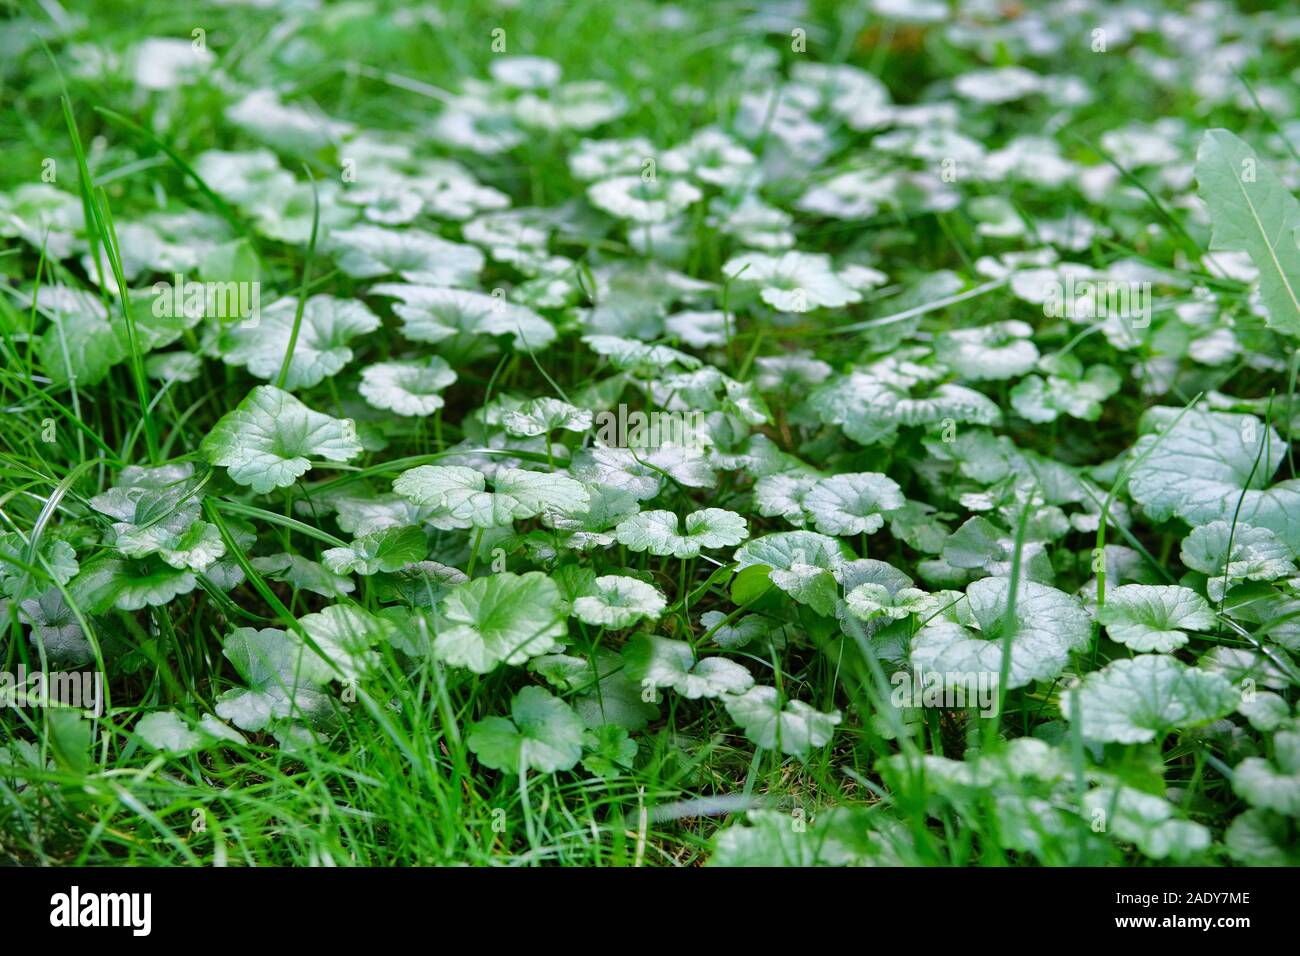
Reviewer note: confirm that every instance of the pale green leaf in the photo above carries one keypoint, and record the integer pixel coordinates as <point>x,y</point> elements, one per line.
<point>268,441</point>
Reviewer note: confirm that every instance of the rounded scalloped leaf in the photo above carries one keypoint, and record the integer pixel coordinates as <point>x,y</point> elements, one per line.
<point>1214,466</point>
<point>870,409</point>
<point>542,733</point>
<point>794,727</point>
<point>432,314</point>
<point>656,532</point>
<point>654,662</point>
<point>792,281</point>
<point>458,494</point>
<point>629,354</point>
<point>269,439</point>
<point>320,350</point>
<point>503,619</point>
<point>169,732</point>
<point>1146,820</point>
<point>870,601</point>
<point>407,388</point>
<point>367,252</point>
<point>999,350</point>
<point>851,504</point>
<point>838,836</point>
<point>1136,700</point>
<point>1149,617</point>
<point>538,416</point>
<point>389,550</point>
<point>803,564</point>
<point>618,600</point>
<point>1049,625</point>
<point>1258,554</point>
<point>1272,784</point>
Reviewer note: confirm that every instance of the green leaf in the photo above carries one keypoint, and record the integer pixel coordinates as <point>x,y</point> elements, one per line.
<point>268,441</point>
<point>303,574</point>
<point>1048,626</point>
<point>388,550</point>
<point>749,628</point>
<point>283,675</point>
<point>422,584</point>
<point>610,751</point>
<point>792,281</point>
<point>999,350</point>
<point>366,252</point>
<point>1146,820</point>
<point>751,584</point>
<point>105,582</point>
<point>804,564</point>
<point>1253,212</point>
<point>321,349</point>
<point>610,696</point>
<point>656,532</point>
<point>1272,785</point>
<point>1263,838</point>
<point>1135,700</point>
<point>1204,466</point>
<point>407,388</point>
<point>618,601</point>
<point>168,731</point>
<point>1265,710</point>
<point>852,504</point>
<point>1068,390</point>
<point>629,354</point>
<point>20,584</point>
<point>540,416</point>
<point>655,662</point>
<point>784,495</point>
<point>542,733</point>
<point>837,836</point>
<point>1257,555</point>
<point>156,508</point>
<point>871,409</point>
<point>1150,617</point>
<point>458,494</point>
<point>345,634</point>
<point>55,628</point>
<point>506,618</point>
<point>434,314</point>
<point>80,347</point>
<point>69,735</point>
<point>795,727</point>
<point>870,601</point>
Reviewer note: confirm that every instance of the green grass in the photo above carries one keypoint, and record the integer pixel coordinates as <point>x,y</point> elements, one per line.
<point>395,782</point>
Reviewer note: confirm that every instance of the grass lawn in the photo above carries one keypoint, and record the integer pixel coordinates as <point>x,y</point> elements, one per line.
<point>635,434</point>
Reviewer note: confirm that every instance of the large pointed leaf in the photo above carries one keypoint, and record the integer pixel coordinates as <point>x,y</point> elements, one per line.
<point>1253,212</point>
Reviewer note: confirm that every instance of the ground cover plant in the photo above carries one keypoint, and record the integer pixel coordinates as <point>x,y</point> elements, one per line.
<point>649,434</point>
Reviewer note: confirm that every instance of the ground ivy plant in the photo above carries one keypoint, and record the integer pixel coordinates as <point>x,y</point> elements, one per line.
<point>575,433</point>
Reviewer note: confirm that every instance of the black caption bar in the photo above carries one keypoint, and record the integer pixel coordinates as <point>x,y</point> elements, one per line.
<point>141,906</point>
